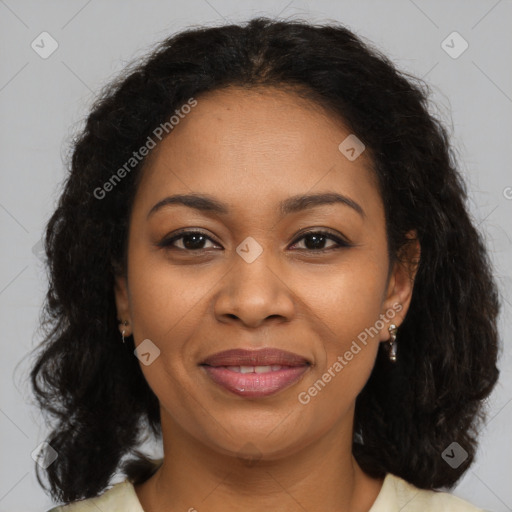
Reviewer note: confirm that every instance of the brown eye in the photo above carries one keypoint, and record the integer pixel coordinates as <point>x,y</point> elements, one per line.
<point>315,241</point>
<point>195,240</point>
<point>189,240</point>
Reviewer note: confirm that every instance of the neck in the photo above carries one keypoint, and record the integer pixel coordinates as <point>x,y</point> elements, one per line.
<point>322,475</point>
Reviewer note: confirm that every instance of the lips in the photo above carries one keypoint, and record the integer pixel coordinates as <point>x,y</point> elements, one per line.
<point>262,357</point>
<point>255,373</point>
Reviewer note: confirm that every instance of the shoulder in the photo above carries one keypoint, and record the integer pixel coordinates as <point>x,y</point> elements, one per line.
<point>398,494</point>
<point>120,497</point>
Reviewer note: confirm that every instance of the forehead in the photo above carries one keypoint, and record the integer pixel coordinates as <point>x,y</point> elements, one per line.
<point>274,124</point>
<point>258,145</point>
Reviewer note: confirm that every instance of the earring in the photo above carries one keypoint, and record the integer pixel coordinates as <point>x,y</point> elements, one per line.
<point>392,342</point>
<point>125,323</point>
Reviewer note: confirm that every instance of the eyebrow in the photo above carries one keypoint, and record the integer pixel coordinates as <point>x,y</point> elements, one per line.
<point>289,205</point>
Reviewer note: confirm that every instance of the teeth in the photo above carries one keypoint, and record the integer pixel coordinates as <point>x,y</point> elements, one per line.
<point>254,369</point>
<point>262,369</point>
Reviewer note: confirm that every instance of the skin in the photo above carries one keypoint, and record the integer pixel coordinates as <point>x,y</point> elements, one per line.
<point>251,149</point>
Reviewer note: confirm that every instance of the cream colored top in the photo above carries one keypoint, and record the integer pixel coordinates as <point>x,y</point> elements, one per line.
<point>396,495</point>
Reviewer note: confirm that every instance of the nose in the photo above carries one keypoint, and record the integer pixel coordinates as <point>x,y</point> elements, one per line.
<point>254,292</point>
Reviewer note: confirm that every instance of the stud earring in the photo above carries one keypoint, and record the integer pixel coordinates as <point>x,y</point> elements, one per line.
<point>392,342</point>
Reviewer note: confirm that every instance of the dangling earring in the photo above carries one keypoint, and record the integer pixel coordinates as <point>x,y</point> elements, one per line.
<point>125,323</point>
<point>392,342</point>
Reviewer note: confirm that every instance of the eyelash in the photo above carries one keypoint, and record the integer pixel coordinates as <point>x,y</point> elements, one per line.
<point>166,243</point>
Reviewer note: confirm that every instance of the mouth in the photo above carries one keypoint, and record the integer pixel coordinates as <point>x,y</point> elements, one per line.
<point>255,373</point>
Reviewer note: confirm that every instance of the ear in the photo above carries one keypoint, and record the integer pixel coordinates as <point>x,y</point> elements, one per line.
<point>401,283</point>
<point>123,304</point>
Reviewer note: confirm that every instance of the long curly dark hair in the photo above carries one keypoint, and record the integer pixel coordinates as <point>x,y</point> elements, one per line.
<point>408,413</point>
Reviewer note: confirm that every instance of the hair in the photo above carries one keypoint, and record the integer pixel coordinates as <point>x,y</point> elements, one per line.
<point>408,412</point>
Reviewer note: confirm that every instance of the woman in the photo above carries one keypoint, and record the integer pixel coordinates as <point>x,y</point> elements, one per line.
<point>262,255</point>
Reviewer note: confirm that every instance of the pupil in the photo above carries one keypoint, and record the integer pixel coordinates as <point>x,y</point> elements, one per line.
<point>193,245</point>
<point>317,241</point>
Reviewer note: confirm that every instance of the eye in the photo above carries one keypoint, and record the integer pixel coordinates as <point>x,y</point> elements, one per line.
<point>314,241</point>
<point>193,241</point>
<point>190,241</point>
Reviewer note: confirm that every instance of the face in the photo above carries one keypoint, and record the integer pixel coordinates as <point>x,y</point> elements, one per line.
<point>252,271</point>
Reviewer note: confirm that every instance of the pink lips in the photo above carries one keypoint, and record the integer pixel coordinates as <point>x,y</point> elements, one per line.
<point>255,373</point>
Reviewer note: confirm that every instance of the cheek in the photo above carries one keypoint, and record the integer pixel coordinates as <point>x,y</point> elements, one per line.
<point>348,297</point>
<point>165,298</point>
<point>348,303</point>
<point>169,301</point>
<point>165,303</point>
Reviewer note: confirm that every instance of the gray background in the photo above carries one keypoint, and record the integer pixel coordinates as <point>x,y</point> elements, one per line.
<point>43,103</point>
